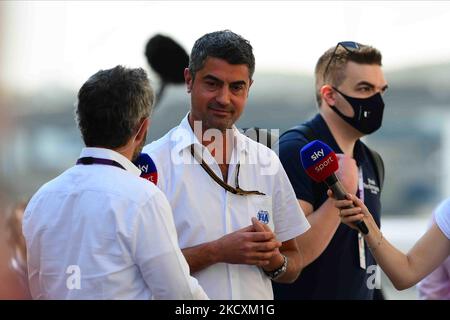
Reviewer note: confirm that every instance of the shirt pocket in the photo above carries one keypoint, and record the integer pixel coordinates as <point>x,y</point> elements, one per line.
<point>261,208</point>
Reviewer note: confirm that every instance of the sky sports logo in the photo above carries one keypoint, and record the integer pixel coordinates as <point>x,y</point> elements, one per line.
<point>319,160</point>
<point>317,154</point>
<point>323,163</point>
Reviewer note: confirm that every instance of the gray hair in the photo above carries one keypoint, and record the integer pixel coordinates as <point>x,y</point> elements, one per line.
<point>111,104</point>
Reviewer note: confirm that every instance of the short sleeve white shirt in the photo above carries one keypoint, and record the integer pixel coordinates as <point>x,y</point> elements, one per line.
<point>204,211</point>
<point>442,216</point>
<point>102,232</point>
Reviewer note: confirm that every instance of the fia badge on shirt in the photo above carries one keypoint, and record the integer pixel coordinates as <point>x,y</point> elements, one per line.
<point>263,216</point>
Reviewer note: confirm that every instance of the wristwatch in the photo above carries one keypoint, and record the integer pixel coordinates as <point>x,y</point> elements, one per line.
<point>278,272</point>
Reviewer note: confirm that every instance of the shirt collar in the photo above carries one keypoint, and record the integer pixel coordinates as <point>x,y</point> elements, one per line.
<point>184,129</point>
<point>104,153</point>
<point>190,138</point>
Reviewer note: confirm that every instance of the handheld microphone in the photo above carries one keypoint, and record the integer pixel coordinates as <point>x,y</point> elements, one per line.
<point>147,167</point>
<point>320,163</point>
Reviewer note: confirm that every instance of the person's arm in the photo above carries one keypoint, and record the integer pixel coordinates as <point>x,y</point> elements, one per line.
<point>324,223</point>
<point>325,220</point>
<point>244,246</point>
<point>290,250</point>
<point>403,270</point>
<point>155,250</point>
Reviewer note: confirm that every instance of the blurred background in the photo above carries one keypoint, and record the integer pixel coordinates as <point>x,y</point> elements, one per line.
<point>49,49</point>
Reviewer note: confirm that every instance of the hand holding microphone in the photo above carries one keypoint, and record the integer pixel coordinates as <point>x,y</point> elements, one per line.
<point>321,163</point>
<point>351,215</point>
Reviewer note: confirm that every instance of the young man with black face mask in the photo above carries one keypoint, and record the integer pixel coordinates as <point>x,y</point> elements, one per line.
<point>349,89</point>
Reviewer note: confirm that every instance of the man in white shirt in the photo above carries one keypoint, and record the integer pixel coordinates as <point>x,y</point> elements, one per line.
<point>99,231</point>
<point>236,214</point>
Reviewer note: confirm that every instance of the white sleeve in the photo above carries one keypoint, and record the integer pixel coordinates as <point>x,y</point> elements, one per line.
<point>289,218</point>
<point>158,256</point>
<point>442,216</point>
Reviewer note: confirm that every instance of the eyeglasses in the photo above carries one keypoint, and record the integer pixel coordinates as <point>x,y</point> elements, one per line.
<point>350,46</point>
<point>223,184</point>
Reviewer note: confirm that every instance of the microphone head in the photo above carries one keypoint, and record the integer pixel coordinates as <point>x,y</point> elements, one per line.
<point>147,167</point>
<point>167,58</point>
<point>318,160</point>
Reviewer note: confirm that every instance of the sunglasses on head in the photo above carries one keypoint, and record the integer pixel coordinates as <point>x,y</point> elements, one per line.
<point>350,46</point>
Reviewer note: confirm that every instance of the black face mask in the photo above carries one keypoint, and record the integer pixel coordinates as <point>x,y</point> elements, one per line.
<point>368,112</point>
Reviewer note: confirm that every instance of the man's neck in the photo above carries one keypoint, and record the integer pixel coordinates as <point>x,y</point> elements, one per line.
<point>126,151</point>
<point>345,135</point>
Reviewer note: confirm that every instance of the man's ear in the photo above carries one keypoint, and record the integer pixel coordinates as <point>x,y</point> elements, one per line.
<point>142,132</point>
<point>328,95</point>
<point>188,79</point>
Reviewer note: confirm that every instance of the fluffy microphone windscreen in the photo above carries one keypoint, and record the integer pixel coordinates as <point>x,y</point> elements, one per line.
<point>167,58</point>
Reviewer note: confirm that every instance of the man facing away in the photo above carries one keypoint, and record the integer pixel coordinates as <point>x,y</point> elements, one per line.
<point>99,231</point>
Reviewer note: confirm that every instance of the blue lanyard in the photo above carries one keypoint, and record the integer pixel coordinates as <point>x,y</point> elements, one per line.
<point>92,160</point>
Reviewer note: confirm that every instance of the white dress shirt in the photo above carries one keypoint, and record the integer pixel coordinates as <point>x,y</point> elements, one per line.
<point>204,211</point>
<point>102,232</point>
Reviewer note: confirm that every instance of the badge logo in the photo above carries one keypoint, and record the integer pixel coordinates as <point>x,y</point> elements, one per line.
<point>263,216</point>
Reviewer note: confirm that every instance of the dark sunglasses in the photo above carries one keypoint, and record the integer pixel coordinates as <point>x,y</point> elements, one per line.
<point>350,46</point>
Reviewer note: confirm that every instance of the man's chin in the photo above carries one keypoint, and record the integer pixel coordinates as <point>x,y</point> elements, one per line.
<point>221,124</point>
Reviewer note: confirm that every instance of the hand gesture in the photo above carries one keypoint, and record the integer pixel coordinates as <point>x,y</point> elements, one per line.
<point>254,245</point>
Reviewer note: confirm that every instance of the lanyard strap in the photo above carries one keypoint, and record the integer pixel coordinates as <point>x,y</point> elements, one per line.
<point>220,182</point>
<point>92,160</point>
<point>360,184</point>
<point>361,246</point>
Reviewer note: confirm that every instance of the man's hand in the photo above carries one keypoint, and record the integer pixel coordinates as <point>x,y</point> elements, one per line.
<point>277,259</point>
<point>250,245</point>
<point>348,173</point>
